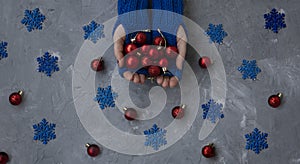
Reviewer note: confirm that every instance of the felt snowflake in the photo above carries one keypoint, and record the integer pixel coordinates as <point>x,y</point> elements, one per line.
<point>256,141</point>
<point>212,111</point>
<point>155,137</point>
<point>93,31</point>
<point>3,50</point>
<point>33,19</point>
<point>274,20</point>
<point>44,131</point>
<point>47,64</point>
<point>216,33</point>
<point>249,69</point>
<point>105,97</point>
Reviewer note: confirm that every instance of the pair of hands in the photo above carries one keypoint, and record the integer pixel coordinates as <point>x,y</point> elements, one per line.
<point>164,81</point>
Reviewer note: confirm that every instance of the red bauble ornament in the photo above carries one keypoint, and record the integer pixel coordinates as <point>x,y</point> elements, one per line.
<point>97,64</point>
<point>154,53</point>
<point>146,61</point>
<point>204,62</point>
<point>208,151</point>
<point>154,71</point>
<point>129,48</point>
<point>3,158</point>
<point>93,150</point>
<point>275,100</point>
<point>163,62</point>
<point>132,62</point>
<point>145,49</point>
<point>159,41</point>
<point>16,98</point>
<point>130,114</point>
<point>172,51</point>
<point>141,38</point>
<point>178,112</point>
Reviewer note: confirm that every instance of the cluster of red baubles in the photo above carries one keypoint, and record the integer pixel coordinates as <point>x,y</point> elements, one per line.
<point>152,57</point>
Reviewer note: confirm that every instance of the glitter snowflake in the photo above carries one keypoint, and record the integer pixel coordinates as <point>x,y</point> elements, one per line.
<point>249,69</point>
<point>44,131</point>
<point>93,31</point>
<point>274,21</point>
<point>33,19</point>
<point>256,141</point>
<point>212,111</point>
<point>216,33</point>
<point>3,50</point>
<point>155,137</point>
<point>105,97</point>
<point>47,64</point>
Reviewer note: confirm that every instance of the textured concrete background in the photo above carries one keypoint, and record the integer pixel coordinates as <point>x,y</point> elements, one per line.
<point>246,107</point>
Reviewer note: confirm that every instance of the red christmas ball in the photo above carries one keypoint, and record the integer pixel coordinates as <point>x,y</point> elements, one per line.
<point>97,64</point>
<point>154,71</point>
<point>154,53</point>
<point>159,41</point>
<point>204,62</point>
<point>93,150</point>
<point>178,112</point>
<point>208,151</point>
<point>129,48</point>
<point>3,158</point>
<point>141,38</point>
<point>145,49</point>
<point>132,62</point>
<point>172,51</point>
<point>275,100</point>
<point>163,62</point>
<point>130,114</point>
<point>146,61</point>
<point>16,98</point>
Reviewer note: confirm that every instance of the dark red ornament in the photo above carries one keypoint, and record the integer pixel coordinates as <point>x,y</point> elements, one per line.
<point>141,38</point>
<point>129,48</point>
<point>275,100</point>
<point>145,49</point>
<point>132,62</point>
<point>159,41</point>
<point>146,61</point>
<point>172,51</point>
<point>93,150</point>
<point>97,64</point>
<point>204,62</point>
<point>130,114</point>
<point>154,71</point>
<point>154,53</point>
<point>178,112</point>
<point>16,98</point>
<point>208,151</point>
<point>163,62</point>
<point>3,158</point>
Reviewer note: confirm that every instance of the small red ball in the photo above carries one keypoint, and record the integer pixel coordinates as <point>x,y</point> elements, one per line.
<point>154,53</point>
<point>3,158</point>
<point>275,100</point>
<point>172,51</point>
<point>129,48</point>
<point>145,49</point>
<point>141,38</point>
<point>178,112</point>
<point>93,150</point>
<point>159,41</point>
<point>132,62</point>
<point>163,62</point>
<point>130,114</point>
<point>208,151</point>
<point>16,98</point>
<point>146,61</point>
<point>154,71</point>
<point>97,65</point>
<point>204,62</point>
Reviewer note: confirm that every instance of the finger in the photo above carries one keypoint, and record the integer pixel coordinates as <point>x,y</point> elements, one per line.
<point>159,80</point>
<point>136,78</point>
<point>166,82</point>
<point>173,82</point>
<point>128,75</point>
<point>181,45</point>
<point>119,38</point>
<point>142,78</point>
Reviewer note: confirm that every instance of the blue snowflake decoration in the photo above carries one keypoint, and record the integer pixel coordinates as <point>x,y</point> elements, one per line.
<point>3,50</point>
<point>33,19</point>
<point>256,141</point>
<point>44,131</point>
<point>155,137</point>
<point>249,69</point>
<point>212,111</point>
<point>274,21</point>
<point>216,33</point>
<point>93,31</point>
<point>105,97</point>
<point>47,64</point>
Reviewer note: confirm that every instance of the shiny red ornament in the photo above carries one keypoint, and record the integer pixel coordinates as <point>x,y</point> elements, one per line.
<point>159,41</point>
<point>16,98</point>
<point>172,51</point>
<point>141,38</point>
<point>132,62</point>
<point>145,49</point>
<point>154,71</point>
<point>275,100</point>
<point>178,112</point>
<point>93,150</point>
<point>146,61</point>
<point>130,114</point>
<point>129,48</point>
<point>97,64</point>
<point>208,151</point>
<point>163,62</point>
<point>3,158</point>
<point>154,53</point>
<point>204,62</point>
